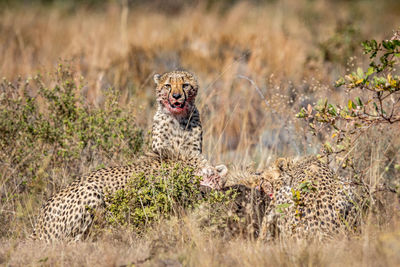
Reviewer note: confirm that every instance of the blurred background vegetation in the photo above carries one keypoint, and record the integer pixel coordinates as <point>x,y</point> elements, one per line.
<point>78,94</point>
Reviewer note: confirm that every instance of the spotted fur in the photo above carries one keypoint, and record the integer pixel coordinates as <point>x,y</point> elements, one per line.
<point>176,124</point>
<point>69,214</point>
<point>308,202</point>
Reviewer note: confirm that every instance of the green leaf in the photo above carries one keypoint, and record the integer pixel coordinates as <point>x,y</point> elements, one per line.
<point>359,102</point>
<point>366,45</point>
<point>360,73</point>
<point>284,205</point>
<point>376,107</point>
<point>301,114</point>
<point>396,42</point>
<point>328,147</point>
<point>341,81</point>
<point>43,259</point>
<point>351,105</point>
<point>332,110</point>
<point>386,44</point>
<point>369,72</point>
<point>281,207</point>
<point>340,147</point>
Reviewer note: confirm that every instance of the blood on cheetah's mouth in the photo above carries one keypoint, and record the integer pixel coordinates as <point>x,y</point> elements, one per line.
<point>177,105</point>
<point>176,102</point>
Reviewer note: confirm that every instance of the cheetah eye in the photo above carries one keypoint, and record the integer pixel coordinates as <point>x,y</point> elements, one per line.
<point>185,86</point>
<point>167,86</point>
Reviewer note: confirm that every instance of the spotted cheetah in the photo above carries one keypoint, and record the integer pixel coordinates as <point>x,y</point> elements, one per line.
<point>308,201</point>
<point>69,214</point>
<point>176,124</point>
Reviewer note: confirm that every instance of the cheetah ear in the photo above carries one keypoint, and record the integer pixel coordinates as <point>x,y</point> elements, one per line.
<point>222,170</point>
<point>282,164</point>
<point>156,78</point>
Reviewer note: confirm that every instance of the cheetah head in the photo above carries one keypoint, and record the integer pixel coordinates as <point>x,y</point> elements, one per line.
<point>213,177</point>
<point>176,92</point>
<point>270,180</point>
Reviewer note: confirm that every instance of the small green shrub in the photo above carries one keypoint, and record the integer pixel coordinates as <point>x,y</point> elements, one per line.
<point>170,191</point>
<point>174,192</point>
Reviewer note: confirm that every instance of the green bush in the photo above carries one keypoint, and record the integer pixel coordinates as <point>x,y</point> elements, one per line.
<point>170,191</point>
<point>49,135</point>
<point>173,192</point>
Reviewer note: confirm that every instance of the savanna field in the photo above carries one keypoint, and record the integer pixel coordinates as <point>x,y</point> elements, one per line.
<point>277,79</point>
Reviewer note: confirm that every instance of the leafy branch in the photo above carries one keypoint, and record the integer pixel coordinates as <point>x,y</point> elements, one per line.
<point>377,99</point>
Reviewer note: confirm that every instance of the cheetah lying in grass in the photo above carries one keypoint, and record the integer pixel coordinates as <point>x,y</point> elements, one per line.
<point>308,201</point>
<point>69,214</point>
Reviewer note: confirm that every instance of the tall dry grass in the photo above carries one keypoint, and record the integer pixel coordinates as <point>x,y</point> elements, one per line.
<point>277,45</point>
<point>257,65</point>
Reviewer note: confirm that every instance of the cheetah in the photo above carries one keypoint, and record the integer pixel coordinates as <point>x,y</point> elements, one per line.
<point>69,214</point>
<point>308,201</point>
<point>176,124</point>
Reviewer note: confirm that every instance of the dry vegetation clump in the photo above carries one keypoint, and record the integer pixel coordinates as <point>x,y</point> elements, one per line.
<point>257,64</point>
<point>49,136</point>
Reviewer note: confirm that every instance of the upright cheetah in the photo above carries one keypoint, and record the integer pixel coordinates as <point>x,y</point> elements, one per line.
<point>176,124</point>
<point>68,214</point>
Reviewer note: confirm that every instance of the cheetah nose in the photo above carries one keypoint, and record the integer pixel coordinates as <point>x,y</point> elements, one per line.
<point>176,96</point>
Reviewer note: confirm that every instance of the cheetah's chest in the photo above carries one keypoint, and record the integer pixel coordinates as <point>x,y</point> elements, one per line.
<point>176,135</point>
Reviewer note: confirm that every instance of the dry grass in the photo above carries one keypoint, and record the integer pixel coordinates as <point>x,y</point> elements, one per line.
<point>239,54</point>
<point>183,243</point>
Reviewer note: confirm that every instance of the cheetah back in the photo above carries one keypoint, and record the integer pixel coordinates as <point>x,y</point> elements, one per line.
<point>69,214</point>
<point>309,201</point>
